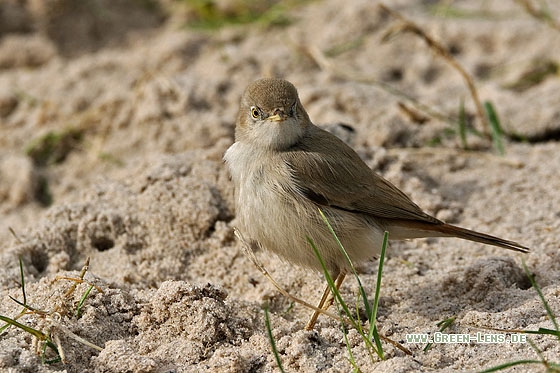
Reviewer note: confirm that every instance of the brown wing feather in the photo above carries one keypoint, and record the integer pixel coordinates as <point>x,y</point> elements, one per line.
<point>344,181</point>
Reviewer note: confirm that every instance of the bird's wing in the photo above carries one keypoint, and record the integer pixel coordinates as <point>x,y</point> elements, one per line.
<point>342,180</point>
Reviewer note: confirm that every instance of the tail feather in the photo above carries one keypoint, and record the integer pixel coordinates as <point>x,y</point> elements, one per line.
<point>467,234</point>
<point>404,229</point>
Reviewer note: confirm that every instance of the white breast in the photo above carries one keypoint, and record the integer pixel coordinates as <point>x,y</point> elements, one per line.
<point>270,212</point>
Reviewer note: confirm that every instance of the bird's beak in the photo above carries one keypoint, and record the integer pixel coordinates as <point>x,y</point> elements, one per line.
<point>279,116</point>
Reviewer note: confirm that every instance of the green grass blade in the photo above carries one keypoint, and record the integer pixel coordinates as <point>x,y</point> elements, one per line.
<point>330,281</point>
<point>52,346</point>
<point>27,306</point>
<point>444,324</point>
<point>379,276</point>
<point>271,339</point>
<point>7,325</point>
<point>22,280</point>
<point>542,331</point>
<point>537,350</point>
<point>373,333</point>
<point>4,327</point>
<point>543,300</point>
<point>351,359</point>
<point>497,132</point>
<point>510,364</point>
<point>340,302</point>
<point>82,300</point>
<point>24,303</point>
<point>37,333</point>
<point>349,261</point>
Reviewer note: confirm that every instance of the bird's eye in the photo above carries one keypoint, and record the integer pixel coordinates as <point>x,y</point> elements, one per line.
<point>255,113</point>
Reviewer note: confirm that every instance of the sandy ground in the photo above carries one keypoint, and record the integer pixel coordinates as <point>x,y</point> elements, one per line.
<point>114,118</point>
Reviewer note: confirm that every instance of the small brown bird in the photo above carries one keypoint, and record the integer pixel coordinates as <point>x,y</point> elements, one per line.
<point>285,168</point>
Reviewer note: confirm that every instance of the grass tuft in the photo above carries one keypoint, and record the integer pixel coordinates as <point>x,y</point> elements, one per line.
<point>53,147</point>
<point>49,340</point>
<point>371,310</point>
<point>444,324</point>
<point>212,15</point>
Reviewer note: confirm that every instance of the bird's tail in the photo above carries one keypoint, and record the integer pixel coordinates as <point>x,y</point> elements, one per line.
<point>467,234</point>
<point>399,229</point>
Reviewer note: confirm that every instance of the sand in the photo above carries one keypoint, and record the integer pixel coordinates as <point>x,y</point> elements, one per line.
<point>114,117</point>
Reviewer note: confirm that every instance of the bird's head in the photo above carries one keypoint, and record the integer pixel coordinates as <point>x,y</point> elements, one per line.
<point>271,115</point>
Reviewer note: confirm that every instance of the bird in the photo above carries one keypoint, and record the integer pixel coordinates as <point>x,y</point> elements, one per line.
<point>286,171</point>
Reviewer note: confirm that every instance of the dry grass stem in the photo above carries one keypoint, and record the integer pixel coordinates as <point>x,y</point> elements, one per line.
<point>539,14</point>
<point>345,73</point>
<point>409,26</point>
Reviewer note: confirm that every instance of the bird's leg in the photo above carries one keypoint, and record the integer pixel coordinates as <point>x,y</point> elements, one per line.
<point>311,323</point>
<point>326,300</point>
<point>337,284</point>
